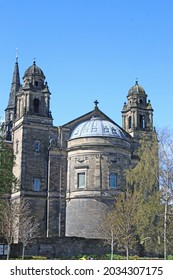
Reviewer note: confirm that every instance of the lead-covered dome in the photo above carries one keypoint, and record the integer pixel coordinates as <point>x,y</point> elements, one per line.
<point>97,127</point>
<point>136,89</point>
<point>34,70</point>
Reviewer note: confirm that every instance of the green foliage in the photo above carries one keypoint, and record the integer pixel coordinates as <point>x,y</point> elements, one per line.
<point>144,177</point>
<point>6,165</point>
<point>149,223</point>
<point>138,212</point>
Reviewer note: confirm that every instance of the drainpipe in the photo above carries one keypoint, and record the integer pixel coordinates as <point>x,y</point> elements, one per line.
<point>48,194</point>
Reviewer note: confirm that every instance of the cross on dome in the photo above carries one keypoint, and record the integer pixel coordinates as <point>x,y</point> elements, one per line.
<point>96,103</point>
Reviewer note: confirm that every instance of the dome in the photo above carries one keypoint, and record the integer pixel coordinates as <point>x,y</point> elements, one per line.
<point>97,127</point>
<point>136,89</point>
<point>34,70</point>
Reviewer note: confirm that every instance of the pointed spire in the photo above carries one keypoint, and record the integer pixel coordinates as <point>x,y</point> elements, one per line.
<point>17,55</point>
<point>11,108</point>
<point>15,85</point>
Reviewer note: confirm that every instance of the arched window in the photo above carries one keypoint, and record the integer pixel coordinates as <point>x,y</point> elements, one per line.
<point>130,122</point>
<point>36,105</point>
<point>10,117</point>
<point>142,121</point>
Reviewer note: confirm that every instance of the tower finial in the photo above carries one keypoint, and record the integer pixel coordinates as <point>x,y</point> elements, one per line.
<point>34,61</point>
<point>17,54</point>
<point>96,103</point>
<point>136,83</point>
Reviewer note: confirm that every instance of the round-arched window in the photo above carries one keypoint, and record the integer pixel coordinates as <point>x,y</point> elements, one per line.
<point>36,105</point>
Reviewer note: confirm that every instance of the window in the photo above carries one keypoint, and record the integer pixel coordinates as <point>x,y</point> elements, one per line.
<point>36,184</point>
<point>130,122</point>
<point>142,121</point>
<point>81,180</point>
<point>113,180</point>
<point>10,117</point>
<point>114,131</point>
<point>106,129</point>
<point>36,105</point>
<point>37,146</point>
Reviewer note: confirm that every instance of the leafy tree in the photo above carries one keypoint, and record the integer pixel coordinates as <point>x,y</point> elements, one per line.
<point>137,210</point>
<point>7,161</point>
<point>152,178</point>
<point>143,179</point>
<point>151,183</point>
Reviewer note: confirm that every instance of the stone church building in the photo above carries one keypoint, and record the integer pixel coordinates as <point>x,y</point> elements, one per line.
<point>70,173</point>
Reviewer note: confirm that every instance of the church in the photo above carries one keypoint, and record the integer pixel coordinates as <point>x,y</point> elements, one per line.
<point>70,173</point>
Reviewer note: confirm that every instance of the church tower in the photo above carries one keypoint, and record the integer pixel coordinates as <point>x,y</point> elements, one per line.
<point>137,113</point>
<point>32,127</point>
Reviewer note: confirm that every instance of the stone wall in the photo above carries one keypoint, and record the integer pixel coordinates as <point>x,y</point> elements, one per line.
<point>63,247</point>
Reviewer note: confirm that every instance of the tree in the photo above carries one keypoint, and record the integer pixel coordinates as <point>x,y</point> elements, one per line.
<point>18,222</point>
<point>120,222</point>
<point>149,223</point>
<point>166,183</point>
<point>152,178</point>
<point>143,179</point>
<point>9,222</point>
<point>28,225</point>
<point>108,230</point>
<point>151,183</point>
<point>7,161</point>
<point>136,210</point>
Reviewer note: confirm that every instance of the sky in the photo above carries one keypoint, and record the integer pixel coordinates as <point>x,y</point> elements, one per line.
<point>91,49</point>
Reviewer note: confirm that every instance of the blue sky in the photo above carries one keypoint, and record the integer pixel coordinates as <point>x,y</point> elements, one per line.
<point>91,49</point>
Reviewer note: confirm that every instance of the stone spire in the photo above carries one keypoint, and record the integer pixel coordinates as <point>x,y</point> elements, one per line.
<point>10,111</point>
<point>15,85</point>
